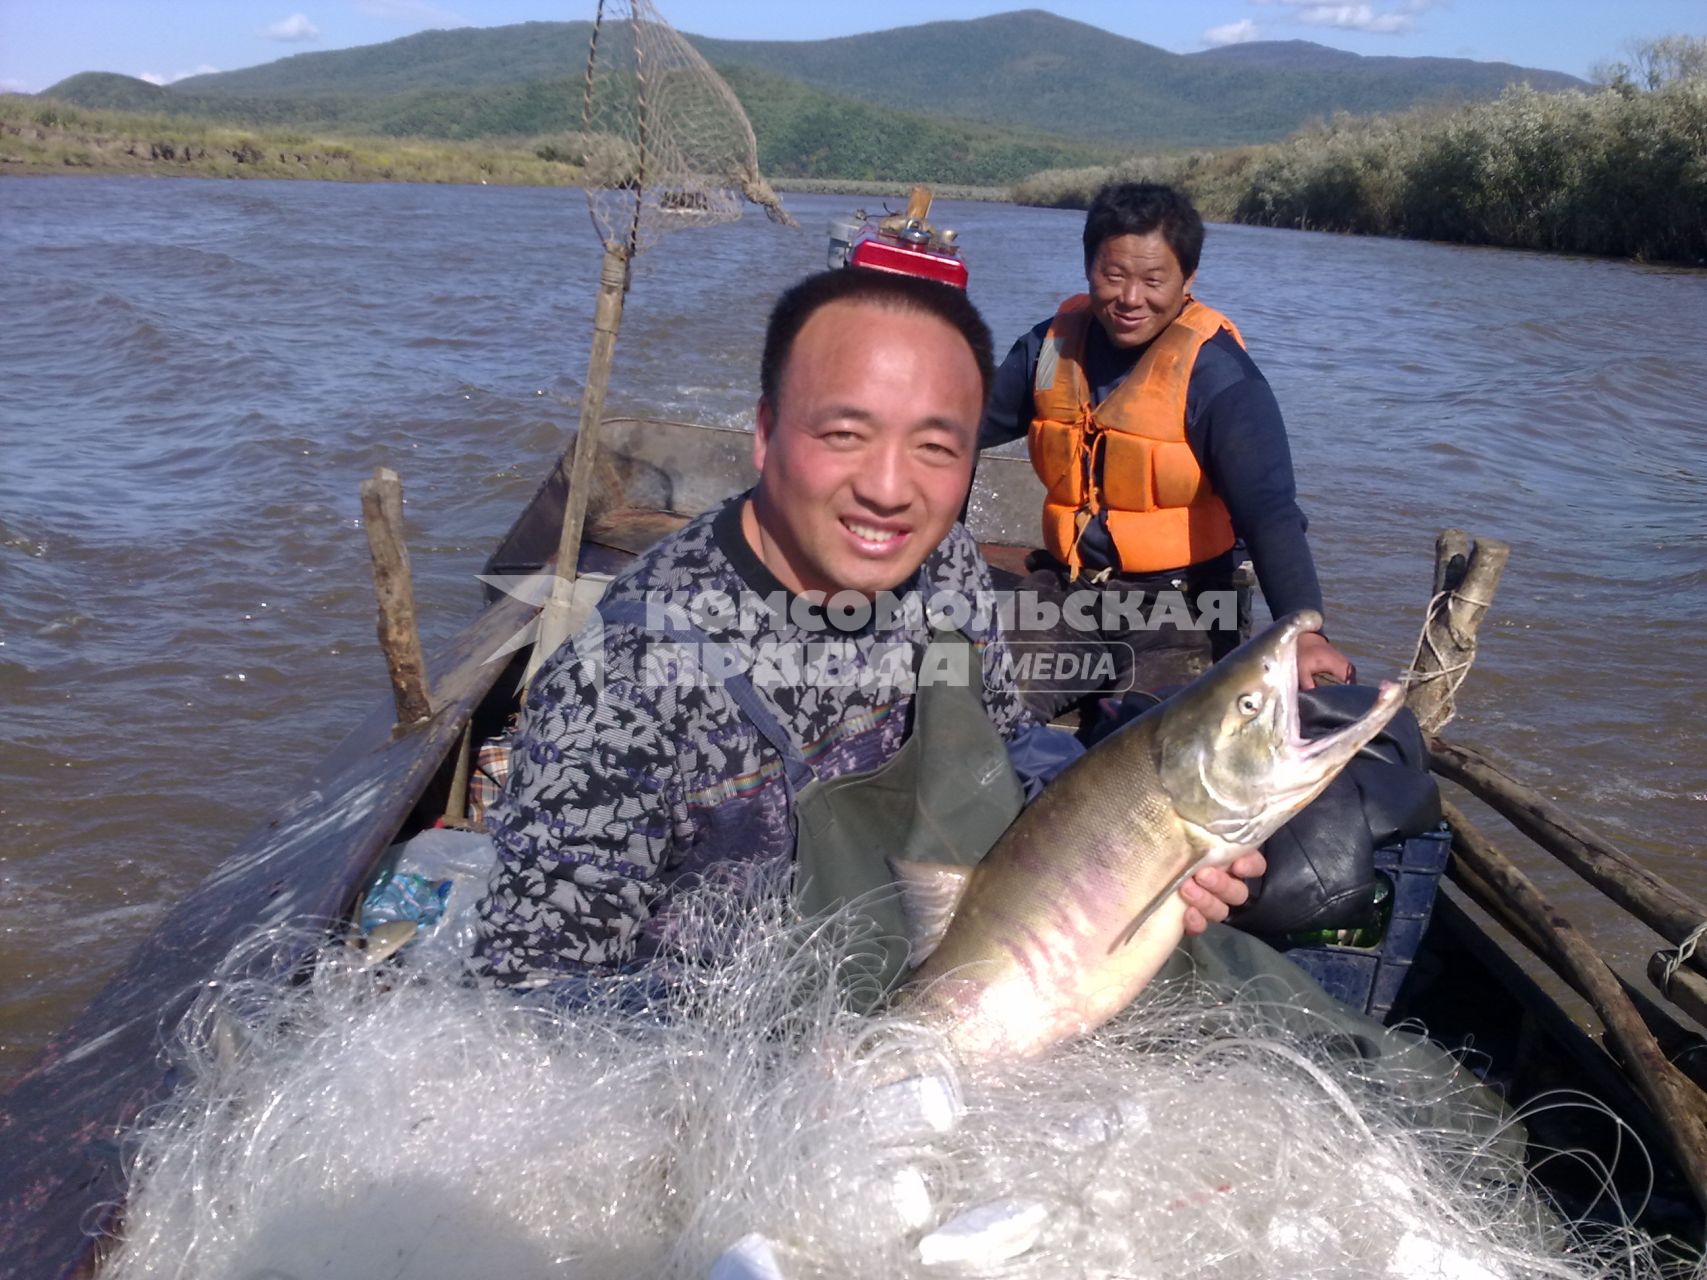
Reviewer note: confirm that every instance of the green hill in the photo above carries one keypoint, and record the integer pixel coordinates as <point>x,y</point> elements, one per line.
<point>108,91</point>
<point>462,58</point>
<point>1030,70</point>
<point>1048,72</point>
<point>802,132</point>
<point>979,102</point>
<point>1458,74</point>
<point>806,133</point>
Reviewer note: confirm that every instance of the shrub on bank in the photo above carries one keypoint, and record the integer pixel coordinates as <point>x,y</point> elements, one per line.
<point>1614,172</point>
<point>40,135</point>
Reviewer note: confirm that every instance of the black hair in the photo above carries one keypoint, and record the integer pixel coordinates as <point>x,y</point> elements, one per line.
<point>879,288</point>
<point>1137,209</point>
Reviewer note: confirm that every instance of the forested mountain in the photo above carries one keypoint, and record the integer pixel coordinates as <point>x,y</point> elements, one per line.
<point>1458,74</point>
<point>1037,69</point>
<point>1030,70</point>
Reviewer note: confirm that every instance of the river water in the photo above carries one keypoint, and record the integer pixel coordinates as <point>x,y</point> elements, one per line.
<point>196,376</point>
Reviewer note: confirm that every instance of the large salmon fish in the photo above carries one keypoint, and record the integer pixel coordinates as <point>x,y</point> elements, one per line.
<point>1077,905</point>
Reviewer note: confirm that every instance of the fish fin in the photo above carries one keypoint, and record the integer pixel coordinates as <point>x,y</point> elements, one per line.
<point>1149,910</point>
<point>930,895</point>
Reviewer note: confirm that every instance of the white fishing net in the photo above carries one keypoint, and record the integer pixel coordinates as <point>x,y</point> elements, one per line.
<point>420,1126</point>
<point>666,142</point>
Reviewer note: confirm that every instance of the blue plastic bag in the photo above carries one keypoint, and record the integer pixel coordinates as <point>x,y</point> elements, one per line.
<point>405,896</point>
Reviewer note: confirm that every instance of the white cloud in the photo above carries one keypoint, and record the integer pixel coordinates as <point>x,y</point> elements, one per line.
<point>1354,17</point>
<point>292,30</point>
<point>1232,33</point>
<point>153,77</point>
<point>1383,19</point>
<point>14,86</point>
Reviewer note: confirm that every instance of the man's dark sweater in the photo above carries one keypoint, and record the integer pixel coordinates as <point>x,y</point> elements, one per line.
<point>1233,426</point>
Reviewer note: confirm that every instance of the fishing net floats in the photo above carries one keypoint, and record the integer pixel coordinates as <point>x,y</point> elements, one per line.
<point>1640,1035</point>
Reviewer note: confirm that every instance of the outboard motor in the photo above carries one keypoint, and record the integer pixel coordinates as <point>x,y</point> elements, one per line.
<point>905,243</point>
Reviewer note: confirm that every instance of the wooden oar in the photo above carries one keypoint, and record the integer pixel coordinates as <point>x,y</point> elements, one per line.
<point>1668,1091</point>
<point>1688,991</point>
<point>1662,906</point>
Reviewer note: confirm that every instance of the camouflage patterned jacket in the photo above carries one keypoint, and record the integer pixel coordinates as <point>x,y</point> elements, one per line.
<point>627,778</point>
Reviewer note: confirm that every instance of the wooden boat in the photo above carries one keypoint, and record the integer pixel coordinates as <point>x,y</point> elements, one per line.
<point>62,1176</point>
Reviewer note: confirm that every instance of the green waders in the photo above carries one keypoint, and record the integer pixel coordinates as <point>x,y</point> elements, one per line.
<point>946,796</point>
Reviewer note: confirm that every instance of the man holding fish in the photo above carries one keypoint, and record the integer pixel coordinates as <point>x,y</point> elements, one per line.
<point>640,764</point>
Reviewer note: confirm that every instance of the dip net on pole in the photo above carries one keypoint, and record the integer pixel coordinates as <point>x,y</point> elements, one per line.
<point>665,145</point>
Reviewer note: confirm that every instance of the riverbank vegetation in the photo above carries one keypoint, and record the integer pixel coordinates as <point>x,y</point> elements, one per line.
<point>1622,172</point>
<point>43,136</point>
<point>894,192</point>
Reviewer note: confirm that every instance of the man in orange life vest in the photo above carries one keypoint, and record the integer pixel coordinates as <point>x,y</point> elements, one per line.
<point>1159,443</point>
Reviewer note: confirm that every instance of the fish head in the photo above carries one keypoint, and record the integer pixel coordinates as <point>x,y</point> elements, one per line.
<point>1229,751</point>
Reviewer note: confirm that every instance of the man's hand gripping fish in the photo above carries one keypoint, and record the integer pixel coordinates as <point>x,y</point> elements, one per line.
<point>1077,905</point>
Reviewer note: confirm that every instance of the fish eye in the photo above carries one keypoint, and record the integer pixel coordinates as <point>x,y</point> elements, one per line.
<point>1250,703</point>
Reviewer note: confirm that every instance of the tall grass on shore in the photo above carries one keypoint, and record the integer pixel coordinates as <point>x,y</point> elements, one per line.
<point>40,135</point>
<point>1616,172</point>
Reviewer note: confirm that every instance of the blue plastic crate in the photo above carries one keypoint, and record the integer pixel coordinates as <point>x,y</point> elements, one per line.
<point>1370,978</point>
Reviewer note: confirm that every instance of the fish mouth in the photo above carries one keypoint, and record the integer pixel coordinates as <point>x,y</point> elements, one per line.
<point>1299,768</point>
<point>1257,768</point>
<point>1332,749</point>
<point>1304,766</point>
<point>1336,748</point>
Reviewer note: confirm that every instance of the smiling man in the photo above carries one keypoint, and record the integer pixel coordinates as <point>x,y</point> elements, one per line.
<point>861,444</point>
<point>1160,445</point>
<point>704,721</point>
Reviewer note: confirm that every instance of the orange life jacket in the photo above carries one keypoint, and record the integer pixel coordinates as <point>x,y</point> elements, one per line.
<point>1162,512</point>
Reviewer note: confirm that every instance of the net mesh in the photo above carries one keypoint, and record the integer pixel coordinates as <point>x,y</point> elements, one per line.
<point>665,141</point>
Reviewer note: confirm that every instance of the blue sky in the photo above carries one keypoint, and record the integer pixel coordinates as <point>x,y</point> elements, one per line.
<point>42,41</point>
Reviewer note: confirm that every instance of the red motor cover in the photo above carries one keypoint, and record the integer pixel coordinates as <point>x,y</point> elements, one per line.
<point>883,254</point>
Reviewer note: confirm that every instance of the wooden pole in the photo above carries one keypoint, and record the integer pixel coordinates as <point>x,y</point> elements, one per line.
<point>456,801</point>
<point>1680,1105</point>
<point>1451,555</point>
<point>399,636</point>
<point>1657,903</point>
<point>1685,989</point>
<point>1466,575</point>
<point>555,619</point>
